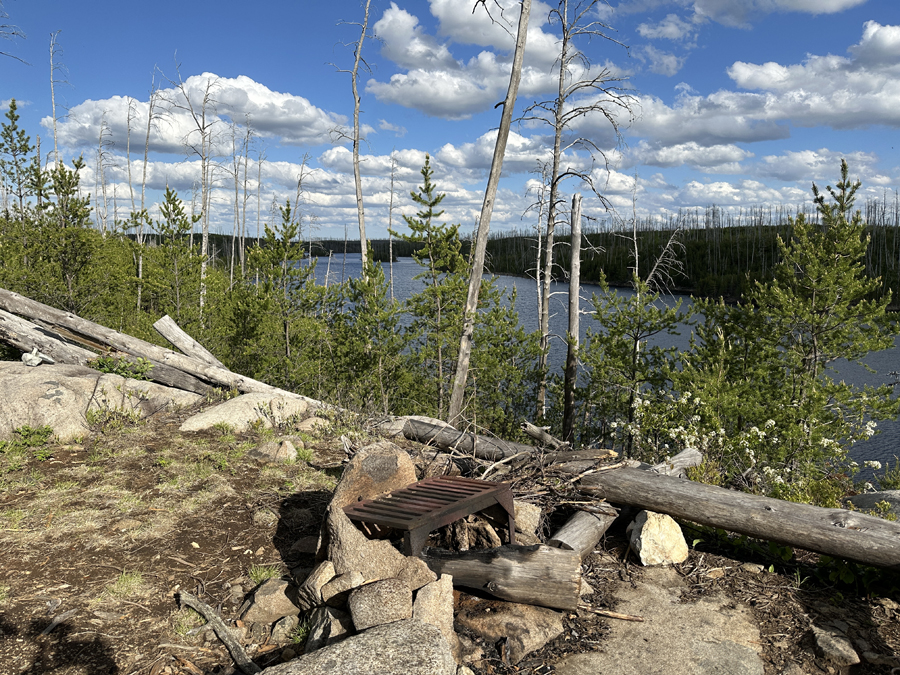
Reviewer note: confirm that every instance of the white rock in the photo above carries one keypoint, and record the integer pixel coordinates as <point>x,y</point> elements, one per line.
<point>243,411</point>
<point>657,539</point>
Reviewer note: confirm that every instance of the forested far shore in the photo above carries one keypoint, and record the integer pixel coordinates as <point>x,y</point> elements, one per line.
<point>724,254</point>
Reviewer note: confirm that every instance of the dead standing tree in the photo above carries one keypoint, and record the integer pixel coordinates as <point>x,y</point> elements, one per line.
<point>461,374</point>
<point>203,117</point>
<point>581,94</point>
<point>358,61</point>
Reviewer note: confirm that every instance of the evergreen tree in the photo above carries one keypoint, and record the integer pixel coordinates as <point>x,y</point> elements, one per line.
<point>15,147</point>
<point>437,309</point>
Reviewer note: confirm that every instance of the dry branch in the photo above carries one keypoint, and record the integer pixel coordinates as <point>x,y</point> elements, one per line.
<point>234,647</point>
<point>436,432</point>
<point>183,342</point>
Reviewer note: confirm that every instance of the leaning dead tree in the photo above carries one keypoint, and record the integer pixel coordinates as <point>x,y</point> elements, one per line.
<point>461,373</point>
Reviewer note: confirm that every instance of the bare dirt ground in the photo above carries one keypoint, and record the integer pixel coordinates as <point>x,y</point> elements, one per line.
<point>97,538</point>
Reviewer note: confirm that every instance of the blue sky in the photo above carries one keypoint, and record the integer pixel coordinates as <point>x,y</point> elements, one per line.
<point>736,103</point>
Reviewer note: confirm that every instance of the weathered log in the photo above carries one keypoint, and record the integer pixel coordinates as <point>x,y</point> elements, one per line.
<point>25,335</point>
<point>187,345</point>
<point>583,530</point>
<point>543,436</point>
<point>17,304</point>
<point>441,434</point>
<point>533,575</point>
<point>836,532</point>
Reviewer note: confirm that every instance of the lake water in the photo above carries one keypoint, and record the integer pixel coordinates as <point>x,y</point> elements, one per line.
<point>882,447</point>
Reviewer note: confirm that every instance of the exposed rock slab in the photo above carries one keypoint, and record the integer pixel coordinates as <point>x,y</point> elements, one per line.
<point>834,645</point>
<point>60,395</point>
<point>401,648</point>
<point>242,412</point>
<point>868,500</point>
<point>524,628</point>
<point>706,637</point>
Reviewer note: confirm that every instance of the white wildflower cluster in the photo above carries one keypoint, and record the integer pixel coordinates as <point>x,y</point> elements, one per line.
<point>773,475</point>
<point>870,428</point>
<point>872,464</point>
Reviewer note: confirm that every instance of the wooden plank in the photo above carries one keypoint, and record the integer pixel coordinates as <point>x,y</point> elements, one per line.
<point>183,342</point>
<point>534,575</point>
<point>836,532</point>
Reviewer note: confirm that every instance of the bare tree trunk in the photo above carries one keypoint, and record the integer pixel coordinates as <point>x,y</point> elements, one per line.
<point>457,394</point>
<point>391,223</point>
<point>356,174</point>
<point>53,68</point>
<point>568,428</point>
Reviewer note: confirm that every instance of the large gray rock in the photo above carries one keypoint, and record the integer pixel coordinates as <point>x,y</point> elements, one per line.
<point>657,539</point>
<point>379,603</point>
<point>832,644</point>
<point>400,648</point>
<point>524,628</point>
<point>374,470</point>
<point>270,602</point>
<point>60,395</point>
<point>274,452</point>
<point>712,636</point>
<point>434,605</point>
<point>327,625</point>
<point>242,412</point>
<point>868,500</point>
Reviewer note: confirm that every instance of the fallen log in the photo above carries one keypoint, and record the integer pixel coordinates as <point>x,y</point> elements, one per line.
<point>835,532</point>
<point>533,575</point>
<point>436,432</point>
<point>583,530</point>
<point>543,436</point>
<point>18,304</point>
<point>25,335</point>
<point>578,455</point>
<point>183,342</point>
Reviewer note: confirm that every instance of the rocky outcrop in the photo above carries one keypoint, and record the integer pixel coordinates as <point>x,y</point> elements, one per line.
<point>60,396</point>
<point>242,412</point>
<point>400,648</point>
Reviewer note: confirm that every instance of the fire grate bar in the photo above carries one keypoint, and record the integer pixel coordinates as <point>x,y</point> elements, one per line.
<point>424,506</point>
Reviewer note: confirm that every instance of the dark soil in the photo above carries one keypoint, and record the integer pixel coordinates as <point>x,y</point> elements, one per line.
<point>97,539</point>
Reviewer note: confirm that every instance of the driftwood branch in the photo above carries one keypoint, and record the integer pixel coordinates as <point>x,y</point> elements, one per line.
<point>835,532</point>
<point>234,647</point>
<point>183,342</point>
<point>543,437</point>
<point>533,575</point>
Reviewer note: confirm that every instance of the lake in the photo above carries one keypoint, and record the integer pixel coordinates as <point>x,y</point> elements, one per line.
<point>882,447</point>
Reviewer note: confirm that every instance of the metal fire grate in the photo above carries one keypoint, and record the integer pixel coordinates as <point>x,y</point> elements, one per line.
<point>422,507</point>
